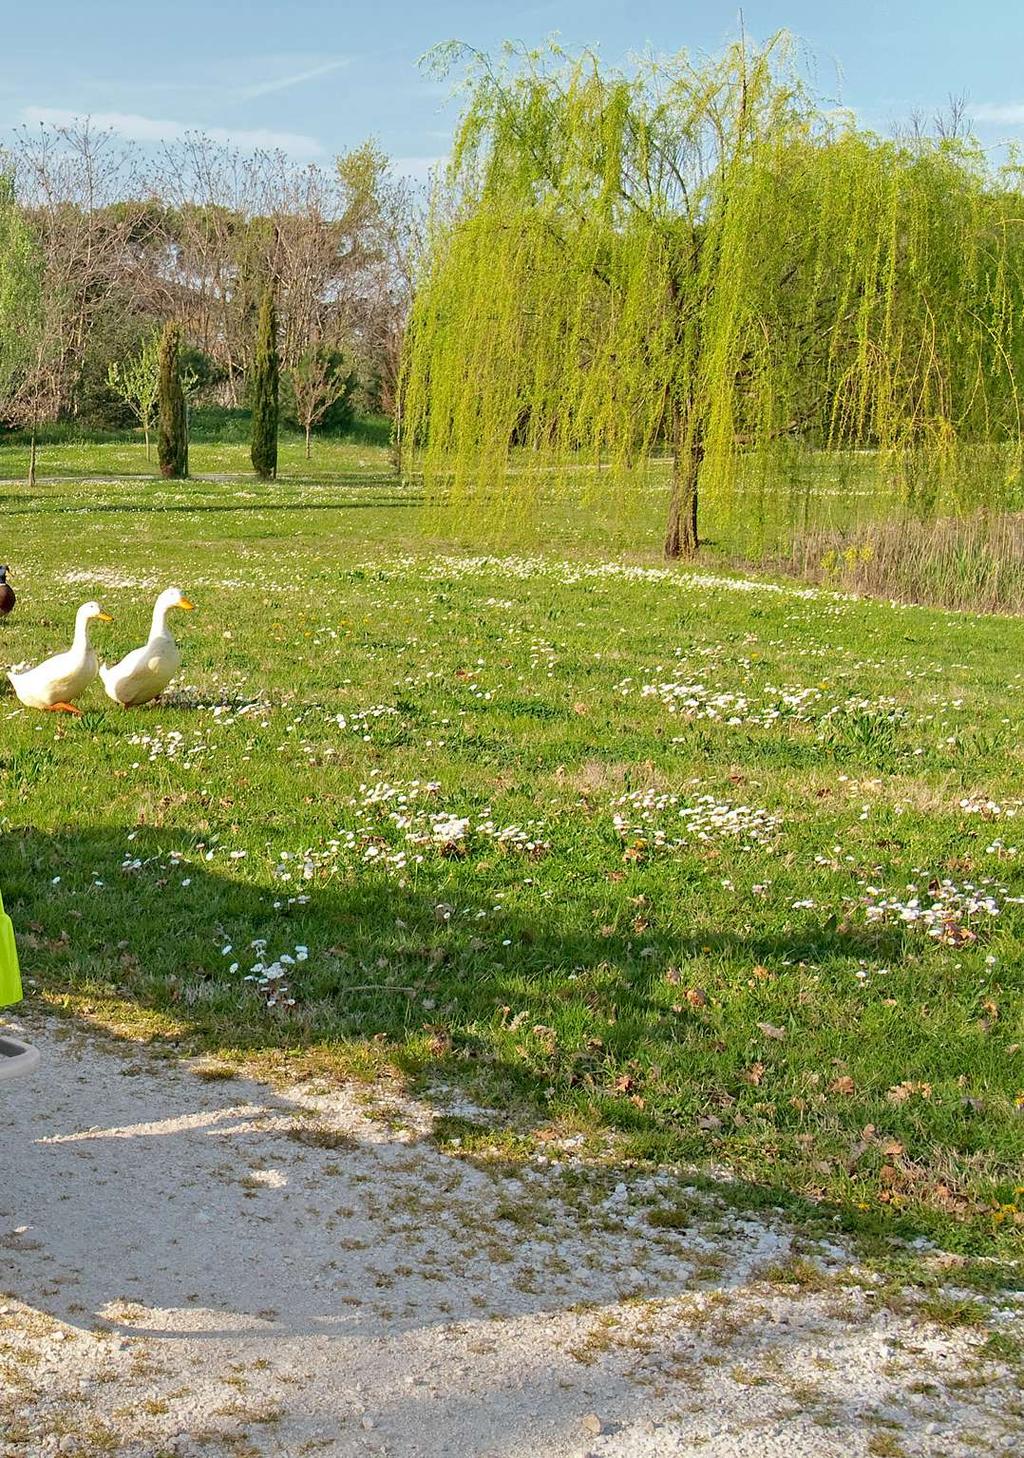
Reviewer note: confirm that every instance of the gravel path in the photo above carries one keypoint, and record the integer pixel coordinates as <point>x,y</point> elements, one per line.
<point>203,1267</point>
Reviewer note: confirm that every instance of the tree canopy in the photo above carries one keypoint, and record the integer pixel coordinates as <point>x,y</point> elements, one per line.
<point>128,238</point>
<point>698,258</point>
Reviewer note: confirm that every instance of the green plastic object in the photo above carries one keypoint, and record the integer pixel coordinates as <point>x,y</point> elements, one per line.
<point>10,976</point>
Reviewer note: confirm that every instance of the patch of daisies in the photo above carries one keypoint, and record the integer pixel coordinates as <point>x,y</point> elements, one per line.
<point>694,700</point>
<point>397,826</point>
<point>172,746</point>
<point>691,698</point>
<point>950,913</point>
<point>269,977</point>
<point>657,820</point>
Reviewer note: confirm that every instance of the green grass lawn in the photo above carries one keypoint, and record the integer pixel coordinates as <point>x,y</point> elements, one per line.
<point>726,872</point>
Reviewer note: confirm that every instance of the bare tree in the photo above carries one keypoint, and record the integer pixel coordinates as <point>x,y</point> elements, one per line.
<point>80,190</point>
<point>196,233</point>
<point>319,379</point>
<point>136,381</point>
<point>35,398</point>
<point>401,220</point>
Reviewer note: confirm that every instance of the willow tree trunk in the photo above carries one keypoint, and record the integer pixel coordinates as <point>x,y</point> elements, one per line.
<point>681,539</point>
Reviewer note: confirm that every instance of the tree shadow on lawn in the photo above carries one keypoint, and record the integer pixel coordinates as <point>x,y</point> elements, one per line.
<point>395,976</point>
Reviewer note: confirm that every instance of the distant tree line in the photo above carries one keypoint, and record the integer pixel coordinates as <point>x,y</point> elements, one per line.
<point>102,244</point>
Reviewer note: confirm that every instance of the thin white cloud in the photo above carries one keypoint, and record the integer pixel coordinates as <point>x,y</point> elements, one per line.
<point>285,83</point>
<point>1009,113</point>
<point>136,128</point>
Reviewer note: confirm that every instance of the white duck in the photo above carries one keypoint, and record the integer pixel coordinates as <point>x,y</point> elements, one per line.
<point>146,672</point>
<point>56,683</point>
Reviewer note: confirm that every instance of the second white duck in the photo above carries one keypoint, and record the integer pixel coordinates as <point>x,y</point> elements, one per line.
<point>143,674</point>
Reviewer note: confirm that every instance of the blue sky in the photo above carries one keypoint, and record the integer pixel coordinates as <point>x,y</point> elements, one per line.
<point>318,76</point>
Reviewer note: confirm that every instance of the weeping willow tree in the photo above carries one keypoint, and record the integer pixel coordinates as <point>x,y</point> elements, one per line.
<point>697,259</point>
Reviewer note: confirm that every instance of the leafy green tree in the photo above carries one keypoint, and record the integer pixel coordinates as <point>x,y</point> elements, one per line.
<point>136,381</point>
<point>24,338</point>
<point>265,391</point>
<point>697,257</point>
<point>317,384</point>
<point>21,310</point>
<point>172,443</point>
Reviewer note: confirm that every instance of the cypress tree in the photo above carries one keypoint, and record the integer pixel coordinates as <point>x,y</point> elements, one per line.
<point>172,443</point>
<point>265,386</point>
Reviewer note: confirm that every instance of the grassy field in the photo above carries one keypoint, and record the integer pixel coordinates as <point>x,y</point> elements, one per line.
<point>676,865</point>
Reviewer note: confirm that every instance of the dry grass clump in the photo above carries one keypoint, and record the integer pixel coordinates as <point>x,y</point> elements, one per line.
<point>974,563</point>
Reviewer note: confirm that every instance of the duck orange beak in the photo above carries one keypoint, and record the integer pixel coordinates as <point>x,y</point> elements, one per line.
<point>104,617</point>
<point>189,607</point>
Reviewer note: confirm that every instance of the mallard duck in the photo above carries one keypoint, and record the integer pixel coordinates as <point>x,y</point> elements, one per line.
<point>146,672</point>
<point>56,683</point>
<point>7,598</point>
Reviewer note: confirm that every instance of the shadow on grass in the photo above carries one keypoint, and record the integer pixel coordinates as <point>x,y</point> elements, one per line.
<point>406,977</point>
<point>21,505</point>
